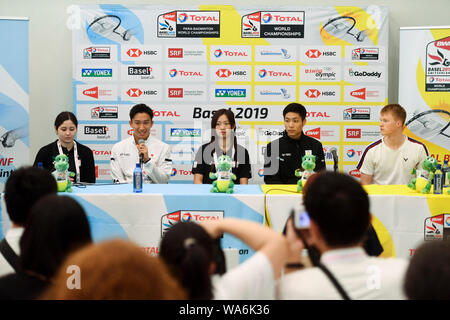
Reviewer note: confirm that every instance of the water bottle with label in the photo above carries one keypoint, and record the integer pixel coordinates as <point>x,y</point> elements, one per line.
<point>445,171</point>
<point>137,178</point>
<point>438,180</point>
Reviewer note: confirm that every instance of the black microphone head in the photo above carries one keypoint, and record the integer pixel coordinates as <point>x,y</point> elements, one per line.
<point>333,151</point>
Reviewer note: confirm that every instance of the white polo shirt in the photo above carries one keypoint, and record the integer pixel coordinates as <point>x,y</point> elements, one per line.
<point>389,166</point>
<point>361,276</point>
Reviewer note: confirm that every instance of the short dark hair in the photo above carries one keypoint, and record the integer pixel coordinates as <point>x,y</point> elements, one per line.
<point>57,225</point>
<point>397,110</point>
<point>428,273</point>
<point>339,206</point>
<point>297,108</point>
<point>141,108</point>
<point>23,188</point>
<point>187,249</point>
<point>63,116</point>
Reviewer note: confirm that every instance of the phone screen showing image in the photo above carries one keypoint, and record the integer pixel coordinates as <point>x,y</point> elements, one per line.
<point>301,220</point>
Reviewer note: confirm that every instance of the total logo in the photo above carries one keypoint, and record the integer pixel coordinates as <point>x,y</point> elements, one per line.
<point>180,172</point>
<point>263,72</point>
<point>261,172</point>
<point>351,153</point>
<point>266,18</point>
<point>174,72</point>
<point>182,18</point>
<point>226,53</point>
<point>168,220</point>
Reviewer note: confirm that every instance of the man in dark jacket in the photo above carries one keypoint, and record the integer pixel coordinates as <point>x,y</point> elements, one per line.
<point>284,156</point>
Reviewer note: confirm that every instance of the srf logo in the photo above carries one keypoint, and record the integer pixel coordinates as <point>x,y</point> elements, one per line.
<point>353,133</point>
<point>175,92</point>
<point>175,53</point>
<point>134,53</point>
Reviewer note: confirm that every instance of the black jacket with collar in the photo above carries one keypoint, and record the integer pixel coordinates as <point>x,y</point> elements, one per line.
<point>279,167</point>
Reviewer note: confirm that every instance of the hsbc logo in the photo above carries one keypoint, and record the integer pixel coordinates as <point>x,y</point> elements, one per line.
<point>134,53</point>
<point>223,73</point>
<point>312,93</point>
<point>175,92</point>
<point>175,53</point>
<point>313,53</point>
<point>353,133</point>
<point>134,92</point>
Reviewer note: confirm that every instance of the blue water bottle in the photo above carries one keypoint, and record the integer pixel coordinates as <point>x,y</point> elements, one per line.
<point>137,178</point>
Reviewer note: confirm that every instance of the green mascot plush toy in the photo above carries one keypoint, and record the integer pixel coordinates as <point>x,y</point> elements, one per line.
<point>308,164</point>
<point>423,178</point>
<point>62,173</point>
<point>224,176</point>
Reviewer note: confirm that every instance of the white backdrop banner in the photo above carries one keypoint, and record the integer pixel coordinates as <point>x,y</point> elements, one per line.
<point>187,62</point>
<point>14,101</point>
<point>424,86</point>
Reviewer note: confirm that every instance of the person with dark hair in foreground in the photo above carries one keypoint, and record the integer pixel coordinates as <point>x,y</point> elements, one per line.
<point>114,270</point>
<point>81,159</point>
<point>23,188</point>
<point>338,209</point>
<point>283,156</point>
<point>428,274</point>
<point>57,225</point>
<point>187,248</point>
<point>223,141</point>
<point>153,154</point>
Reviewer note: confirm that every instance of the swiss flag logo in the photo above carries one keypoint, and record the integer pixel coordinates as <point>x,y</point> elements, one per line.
<point>134,92</point>
<point>223,73</point>
<point>360,93</point>
<point>313,53</point>
<point>314,133</point>
<point>92,92</point>
<point>134,53</point>
<point>312,93</point>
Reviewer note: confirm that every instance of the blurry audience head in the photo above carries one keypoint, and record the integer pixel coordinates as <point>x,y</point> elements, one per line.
<point>115,270</point>
<point>339,206</point>
<point>23,188</point>
<point>188,251</point>
<point>56,226</point>
<point>428,274</point>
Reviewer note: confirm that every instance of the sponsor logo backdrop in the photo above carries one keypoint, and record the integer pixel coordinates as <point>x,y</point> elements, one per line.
<point>185,63</point>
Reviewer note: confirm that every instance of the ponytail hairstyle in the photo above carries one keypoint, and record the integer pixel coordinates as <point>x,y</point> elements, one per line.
<point>187,250</point>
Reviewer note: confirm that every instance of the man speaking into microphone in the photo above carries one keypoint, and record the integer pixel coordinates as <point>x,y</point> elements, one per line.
<point>153,154</point>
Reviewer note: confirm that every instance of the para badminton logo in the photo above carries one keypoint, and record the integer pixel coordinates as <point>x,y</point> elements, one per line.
<point>273,24</point>
<point>170,219</point>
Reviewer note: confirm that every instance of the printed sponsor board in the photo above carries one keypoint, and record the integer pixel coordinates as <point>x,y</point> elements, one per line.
<point>168,220</point>
<point>275,53</point>
<point>320,73</point>
<point>320,54</point>
<point>320,93</point>
<point>353,153</point>
<point>97,132</point>
<point>101,152</point>
<point>275,93</point>
<point>185,73</point>
<point>274,24</point>
<point>357,113</point>
<point>188,53</point>
<point>189,24</point>
<point>126,131</point>
<point>230,53</point>
<point>362,133</point>
<point>141,92</point>
<point>141,72</point>
<point>323,132</point>
<point>437,75</point>
<point>365,74</point>
<point>92,53</point>
<point>141,53</point>
<point>230,73</point>
<point>97,92</point>
<point>103,172</point>
<point>233,93</point>
<point>364,93</point>
<point>178,92</point>
<point>365,54</point>
<point>275,73</point>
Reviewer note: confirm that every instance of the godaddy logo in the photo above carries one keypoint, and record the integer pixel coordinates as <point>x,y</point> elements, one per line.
<point>363,73</point>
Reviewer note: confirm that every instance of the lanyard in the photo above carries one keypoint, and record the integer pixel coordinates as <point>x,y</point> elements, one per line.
<point>75,155</point>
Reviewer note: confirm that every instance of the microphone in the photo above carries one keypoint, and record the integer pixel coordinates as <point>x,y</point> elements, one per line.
<point>141,155</point>
<point>333,151</point>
